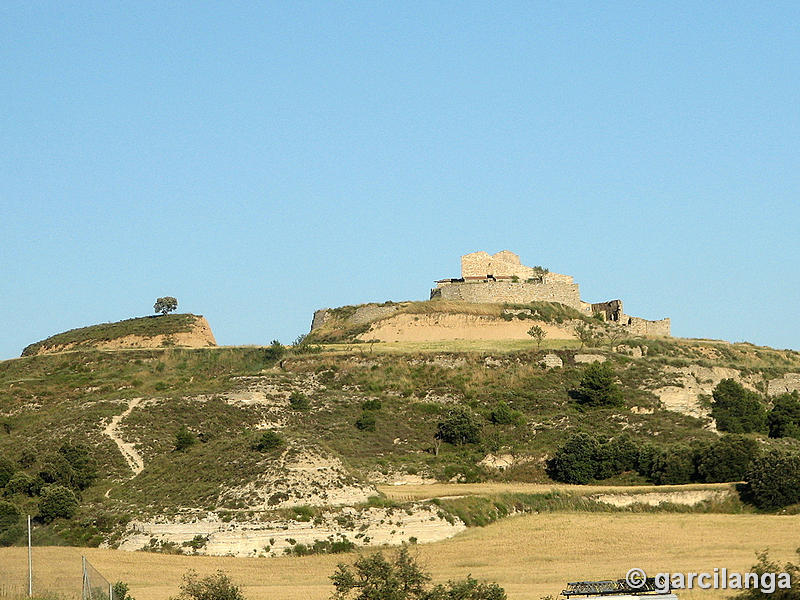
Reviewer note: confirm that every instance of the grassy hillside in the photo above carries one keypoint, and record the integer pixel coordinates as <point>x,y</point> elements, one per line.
<point>227,397</point>
<point>146,327</point>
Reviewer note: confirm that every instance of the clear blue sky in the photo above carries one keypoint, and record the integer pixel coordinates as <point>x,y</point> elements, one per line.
<point>261,160</point>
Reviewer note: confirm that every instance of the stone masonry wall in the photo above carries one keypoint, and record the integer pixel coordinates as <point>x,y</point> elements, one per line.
<point>638,326</point>
<point>512,292</point>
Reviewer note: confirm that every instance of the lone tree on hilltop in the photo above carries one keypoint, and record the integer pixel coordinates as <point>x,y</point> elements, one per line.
<point>165,305</point>
<point>537,333</point>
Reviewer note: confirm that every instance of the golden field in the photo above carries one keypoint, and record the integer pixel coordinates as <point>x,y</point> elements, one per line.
<point>530,556</point>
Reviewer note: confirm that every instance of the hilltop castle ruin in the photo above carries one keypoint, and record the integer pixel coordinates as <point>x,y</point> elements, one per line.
<point>501,277</point>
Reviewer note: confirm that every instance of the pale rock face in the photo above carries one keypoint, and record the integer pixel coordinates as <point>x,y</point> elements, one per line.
<point>688,498</point>
<point>500,462</point>
<point>787,384</point>
<point>365,527</point>
<point>551,361</point>
<point>589,358</point>
<point>696,381</point>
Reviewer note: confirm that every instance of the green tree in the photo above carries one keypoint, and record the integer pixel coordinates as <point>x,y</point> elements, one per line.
<point>121,591</point>
<point>773,479</point>
<point>165,305</point>
<point>184,439</point>
<point>784,418</point>
<point>400,578</point>
<point>57,501</point>
<point>275,351</point>
<point>537,333</point>
<point>376,578</point>
<point>727,459</point>
<point>587,334</point>
<point>213,587</point>
<point>575,461</point>
<point>736,409</point>
<point>460,426</point>
<point>598,387</point>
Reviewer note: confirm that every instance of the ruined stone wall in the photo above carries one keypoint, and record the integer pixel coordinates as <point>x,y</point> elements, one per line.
<point>638,326</point>
<point>612,309</point>
<point>505,263</point>
<point>511,292</point>
<point>372,312</point>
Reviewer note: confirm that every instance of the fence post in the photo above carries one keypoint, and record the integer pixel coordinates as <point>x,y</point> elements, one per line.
<point>30,561</point>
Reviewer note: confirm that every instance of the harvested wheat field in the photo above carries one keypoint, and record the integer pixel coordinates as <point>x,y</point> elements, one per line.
<point>530,556</point>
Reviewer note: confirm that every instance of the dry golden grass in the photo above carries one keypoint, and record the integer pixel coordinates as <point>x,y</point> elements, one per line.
<point>406,493</point>
<point>530,556</point>
<point>450,306</point>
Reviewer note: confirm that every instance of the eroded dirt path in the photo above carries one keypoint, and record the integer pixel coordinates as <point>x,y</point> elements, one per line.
<point>132,457</point>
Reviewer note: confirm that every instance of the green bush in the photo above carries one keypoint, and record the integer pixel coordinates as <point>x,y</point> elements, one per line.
<point>366,422</point>
<point>459,427</point>
<point>121,591</point>
<point>766,566</point>
<point>773,479</point>
<point>213,587</point>
<point>784,418</point>
<point>268,441</point>
<point>727,459</point>
<point>673,466</point>
<point>616,456</point>
<point>184,439</point>
<point>22,483</point>
<point>467,589</point>
<point>371,404</point>
<point>9,515</point>
<point>575,461</point>
<point>55,469</point>
<point>7,470</point>
<point>299,401</point>
<point>736,409</point>
<point>57,501</point>
<point>503,414</point>
<point>597,387</point>
<point>83,468</point>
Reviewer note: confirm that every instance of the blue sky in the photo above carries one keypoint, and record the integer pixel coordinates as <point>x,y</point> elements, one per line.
<point>261,160</point>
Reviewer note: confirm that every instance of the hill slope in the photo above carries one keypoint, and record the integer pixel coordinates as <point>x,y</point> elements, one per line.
<point>192,331</point>
<point>347,418</point>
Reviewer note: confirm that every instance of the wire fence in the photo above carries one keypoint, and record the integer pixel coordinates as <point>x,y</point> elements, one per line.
<point>95,586</point>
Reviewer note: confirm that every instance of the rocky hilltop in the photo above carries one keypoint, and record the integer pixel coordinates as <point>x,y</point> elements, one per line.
<point>158,331</point>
